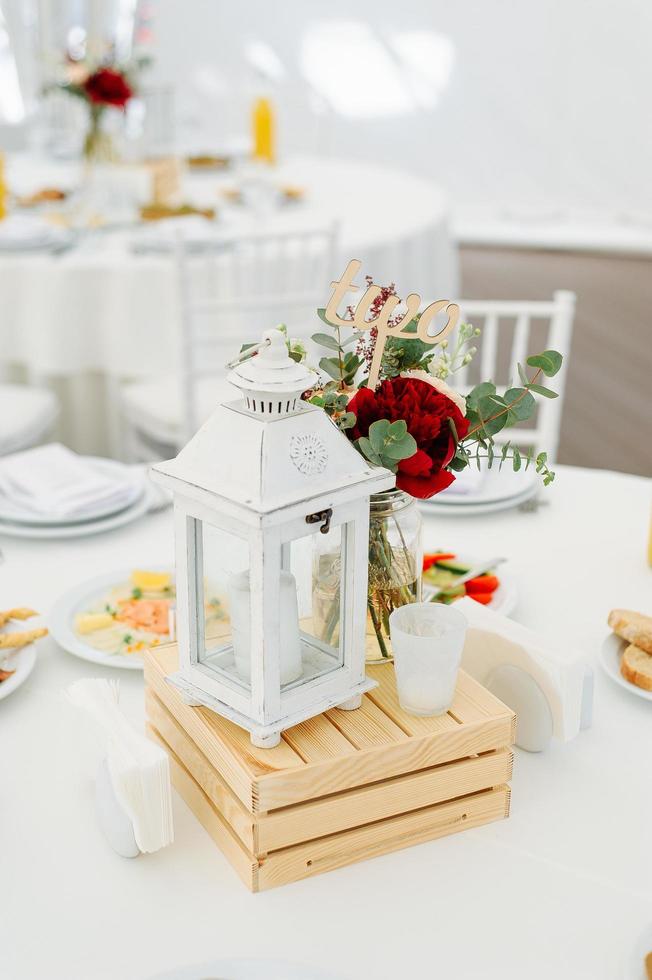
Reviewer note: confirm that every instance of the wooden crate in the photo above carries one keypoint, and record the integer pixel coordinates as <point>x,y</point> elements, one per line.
<point>341,787</point>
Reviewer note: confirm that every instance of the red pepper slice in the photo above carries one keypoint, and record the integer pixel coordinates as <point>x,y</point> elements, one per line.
<point>435,556</point>
<point>484,598</point>
<point>482,584</point>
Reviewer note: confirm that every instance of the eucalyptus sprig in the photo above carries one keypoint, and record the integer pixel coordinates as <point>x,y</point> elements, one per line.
<point>489,412</point>
<point>343,367</point>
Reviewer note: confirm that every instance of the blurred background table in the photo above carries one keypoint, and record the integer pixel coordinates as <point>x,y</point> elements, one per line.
<point>98,312</point>
<point>561,889</point>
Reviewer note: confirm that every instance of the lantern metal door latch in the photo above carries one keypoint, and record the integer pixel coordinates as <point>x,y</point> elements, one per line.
<point>321,515</point>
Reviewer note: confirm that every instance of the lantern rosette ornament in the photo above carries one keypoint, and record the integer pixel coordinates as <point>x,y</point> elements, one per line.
<point>385,384</point>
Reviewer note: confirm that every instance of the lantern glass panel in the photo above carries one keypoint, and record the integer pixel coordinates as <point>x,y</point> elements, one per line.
<point>320,600</point>
<point>224,616</point>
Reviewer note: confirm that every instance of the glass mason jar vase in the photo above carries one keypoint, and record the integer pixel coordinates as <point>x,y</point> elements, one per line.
<point>395,562</point>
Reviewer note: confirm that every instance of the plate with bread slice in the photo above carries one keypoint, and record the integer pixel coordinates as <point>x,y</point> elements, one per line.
<point>626,654</point>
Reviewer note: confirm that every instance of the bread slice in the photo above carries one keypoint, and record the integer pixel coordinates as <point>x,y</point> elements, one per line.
<point>636,667</point>
<point>633,627</point>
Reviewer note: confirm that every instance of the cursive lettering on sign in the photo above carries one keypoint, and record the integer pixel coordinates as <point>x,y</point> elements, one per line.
<point>380,321</point>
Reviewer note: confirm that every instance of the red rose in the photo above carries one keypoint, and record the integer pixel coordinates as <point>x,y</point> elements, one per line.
<point>426,412</point>
<point>108,87</point>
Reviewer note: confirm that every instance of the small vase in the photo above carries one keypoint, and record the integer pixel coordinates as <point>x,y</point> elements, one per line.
<point>99,145</point>
<point>395,561</point>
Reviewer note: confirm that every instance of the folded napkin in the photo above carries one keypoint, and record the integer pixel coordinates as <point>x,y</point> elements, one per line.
<point>139,770</point>
<point>52,481</point>
<point>468,481</point>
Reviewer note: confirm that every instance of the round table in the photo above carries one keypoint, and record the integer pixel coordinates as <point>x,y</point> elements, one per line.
<point>562,889</point>
<point>99,309</point>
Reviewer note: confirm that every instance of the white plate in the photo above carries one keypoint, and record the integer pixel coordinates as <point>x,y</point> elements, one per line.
<point>248,969</point>
<point>12,513</point>
<point>610,653</point>
<point>22,661</point>
<point>504,598</point>
<point>50,531</point>
<point>498,485</point>
<point>77,600</point>
<point>432,506</point>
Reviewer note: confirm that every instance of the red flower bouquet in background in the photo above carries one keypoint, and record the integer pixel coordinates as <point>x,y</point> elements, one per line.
<point>106,86</point>
<point>102,88</point>
<point>428,414</point>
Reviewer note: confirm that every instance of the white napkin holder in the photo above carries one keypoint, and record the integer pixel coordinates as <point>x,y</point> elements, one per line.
<point>548,685</point>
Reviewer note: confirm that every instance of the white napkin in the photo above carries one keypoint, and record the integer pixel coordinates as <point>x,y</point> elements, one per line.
<point>468,481</point>
<point>53,481</point>
<point>139,769</point>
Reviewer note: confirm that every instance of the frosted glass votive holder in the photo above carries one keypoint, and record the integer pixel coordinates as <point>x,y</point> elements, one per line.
<point>427,640</point>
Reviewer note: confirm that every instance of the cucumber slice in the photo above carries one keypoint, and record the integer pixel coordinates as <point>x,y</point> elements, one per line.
<point>451,565</point>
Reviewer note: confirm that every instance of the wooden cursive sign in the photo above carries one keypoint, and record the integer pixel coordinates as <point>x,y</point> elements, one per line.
<point>345,285</point>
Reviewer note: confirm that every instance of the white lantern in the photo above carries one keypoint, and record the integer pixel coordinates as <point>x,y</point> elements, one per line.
<point>251,489</point>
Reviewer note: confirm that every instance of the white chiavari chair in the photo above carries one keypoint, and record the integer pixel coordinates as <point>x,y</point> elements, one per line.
<point>227,298</point>
<point>499,351</point>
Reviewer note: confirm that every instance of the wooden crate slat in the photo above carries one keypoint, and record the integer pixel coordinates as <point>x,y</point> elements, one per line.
<point>342,811</point>
<point>226,746</point>
<point>385,696</point>
<point>245,865</point>
<point>367,726</point>
<point>279,789</point>
<point>377,732</point>
<point>318,739</point>
<point>173,737</point>
<point>396,833</point>
<point>327,853</point>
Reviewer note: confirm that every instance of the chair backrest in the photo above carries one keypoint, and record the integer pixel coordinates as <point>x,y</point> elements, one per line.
<point>511,331</point>
<point>248,284</point>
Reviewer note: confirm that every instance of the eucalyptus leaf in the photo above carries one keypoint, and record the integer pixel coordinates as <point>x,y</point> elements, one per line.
<point>458,464</point>
<point>397,429</point>
<point>540,390</point>
<point>378,434</point>
<point>330,365</point>
<point>402,449</point>
<point>324,340</point>
<point>522,375</point>
<point>521,404</point>
<point>480,391</point>
<point>549,361</point>
<point>367,451</point>
<point>516,459</point>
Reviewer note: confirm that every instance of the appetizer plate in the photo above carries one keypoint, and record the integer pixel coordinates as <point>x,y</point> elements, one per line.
<point>62,621</point>
<point>504,598</point>
<point>13,513</point>
<point>457,509</point>
<point>609,656</point>
<point>22,662</point>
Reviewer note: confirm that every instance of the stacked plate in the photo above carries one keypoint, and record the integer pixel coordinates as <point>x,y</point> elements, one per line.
<point>484,493</point>
<point>26,233</point>
<point>109,494</point>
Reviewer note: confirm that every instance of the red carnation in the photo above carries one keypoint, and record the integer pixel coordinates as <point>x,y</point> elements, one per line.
<point>108,87</point>
<point>426,412</point>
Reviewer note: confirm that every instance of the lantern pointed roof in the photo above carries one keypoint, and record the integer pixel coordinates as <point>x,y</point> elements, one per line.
<point>271,450</point>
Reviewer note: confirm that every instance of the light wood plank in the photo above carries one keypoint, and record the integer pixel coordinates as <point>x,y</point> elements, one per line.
<point>172,737</point>
<point>327,853</point>
<point>381,762</point>
<point>226,746</point>
<point>386,697</point>
<point>354,808</point>
<point>367,726</point>
<point>245,865</point>
<point>318,739</point>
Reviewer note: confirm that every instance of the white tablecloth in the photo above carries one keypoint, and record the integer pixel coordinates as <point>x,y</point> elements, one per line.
<point>562,889</point>
<point>99,308</point>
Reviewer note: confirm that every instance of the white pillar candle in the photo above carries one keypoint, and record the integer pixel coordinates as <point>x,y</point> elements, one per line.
<point>290,639</point>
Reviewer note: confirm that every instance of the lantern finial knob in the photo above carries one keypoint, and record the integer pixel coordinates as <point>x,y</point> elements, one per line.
<point>269,378</point>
